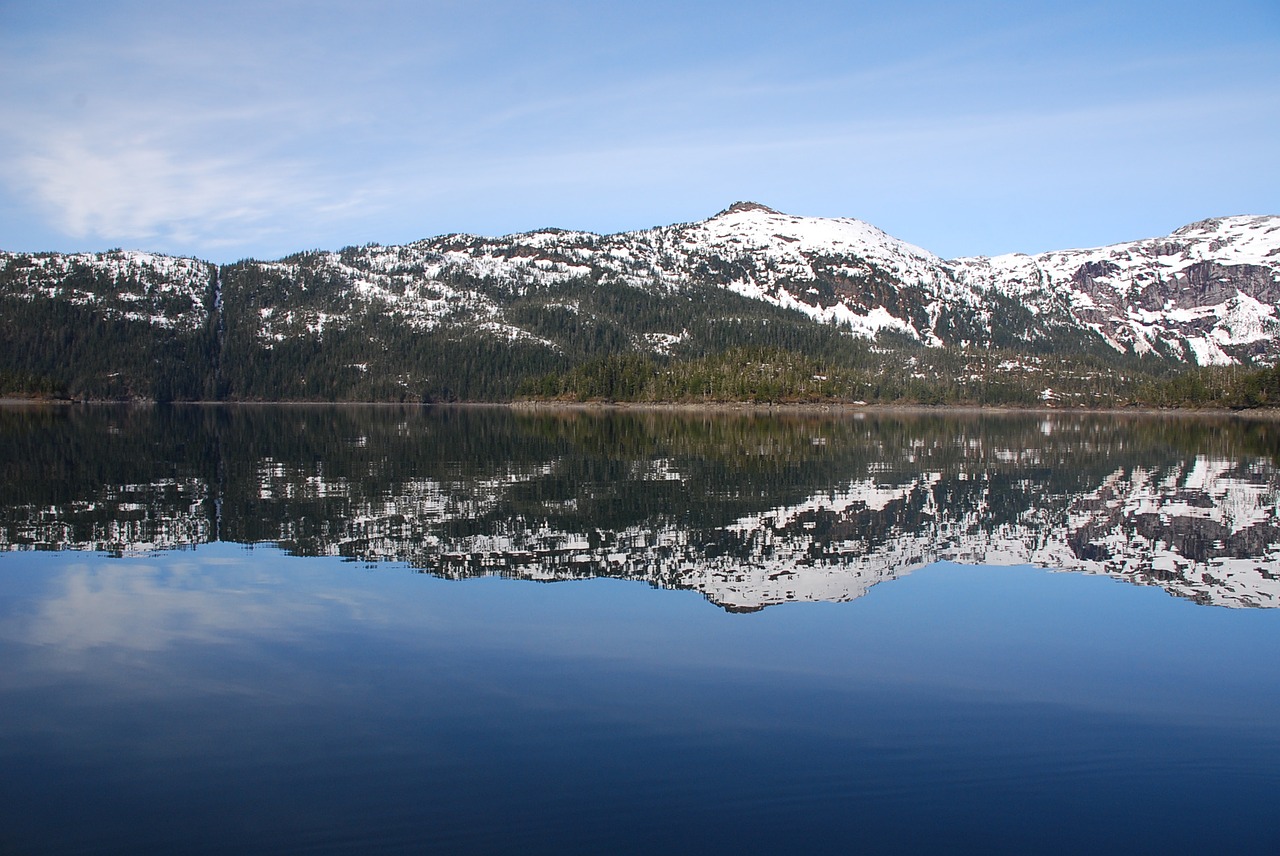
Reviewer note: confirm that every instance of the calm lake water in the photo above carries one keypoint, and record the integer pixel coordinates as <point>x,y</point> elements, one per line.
<point>307,629</point>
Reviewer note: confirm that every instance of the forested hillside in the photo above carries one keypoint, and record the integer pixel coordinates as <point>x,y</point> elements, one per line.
<point>107,326</point>
<point>749,305</point>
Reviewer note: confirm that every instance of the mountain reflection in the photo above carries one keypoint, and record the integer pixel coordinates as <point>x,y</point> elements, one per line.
<point>749,509</point>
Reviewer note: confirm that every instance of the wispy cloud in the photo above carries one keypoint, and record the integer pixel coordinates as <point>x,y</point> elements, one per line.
<point>135,187</point>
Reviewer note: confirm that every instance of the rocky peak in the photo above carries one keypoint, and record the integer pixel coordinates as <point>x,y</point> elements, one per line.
<point>742,207</point>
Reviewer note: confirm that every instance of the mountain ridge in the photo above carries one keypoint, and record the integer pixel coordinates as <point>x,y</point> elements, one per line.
<point>847,272</point>
<point>1206,294</point>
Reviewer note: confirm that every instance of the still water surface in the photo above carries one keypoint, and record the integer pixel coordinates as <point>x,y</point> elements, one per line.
<point>323,630</point>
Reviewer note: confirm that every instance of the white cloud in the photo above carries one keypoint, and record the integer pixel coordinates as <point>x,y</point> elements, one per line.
<point>135,187</point>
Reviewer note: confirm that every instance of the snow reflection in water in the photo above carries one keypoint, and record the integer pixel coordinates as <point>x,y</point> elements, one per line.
<point>749,510</point>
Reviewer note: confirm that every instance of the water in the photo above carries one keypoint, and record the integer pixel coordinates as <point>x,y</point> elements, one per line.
<point>293,629</point>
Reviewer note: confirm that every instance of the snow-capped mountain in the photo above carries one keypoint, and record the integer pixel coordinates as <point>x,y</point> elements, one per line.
<point>835,271</point>
<point>390,317</point>
<point>1206,294</point>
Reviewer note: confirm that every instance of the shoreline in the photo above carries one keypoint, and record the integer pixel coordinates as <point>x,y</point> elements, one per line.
<point>919,409</point>
<point>744,407</point>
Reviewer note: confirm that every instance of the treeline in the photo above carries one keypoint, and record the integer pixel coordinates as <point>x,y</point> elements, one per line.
<point>737,374</point>
<point>942,376</point>
<point>1231,387</point>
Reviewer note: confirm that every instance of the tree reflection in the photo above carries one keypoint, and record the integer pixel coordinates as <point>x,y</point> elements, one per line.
<point>750,508</point>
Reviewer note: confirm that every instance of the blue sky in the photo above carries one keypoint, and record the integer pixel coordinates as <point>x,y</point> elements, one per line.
<point>228,129</point>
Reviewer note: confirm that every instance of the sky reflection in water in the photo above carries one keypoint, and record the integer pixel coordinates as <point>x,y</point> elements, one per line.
<point>205,699</point>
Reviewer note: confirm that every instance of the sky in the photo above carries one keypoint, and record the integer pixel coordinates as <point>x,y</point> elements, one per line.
<point>228,130</point>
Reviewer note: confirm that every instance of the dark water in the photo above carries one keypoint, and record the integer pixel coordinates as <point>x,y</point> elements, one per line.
<point>316,630</point>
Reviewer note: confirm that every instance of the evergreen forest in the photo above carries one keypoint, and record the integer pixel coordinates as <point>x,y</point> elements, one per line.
<point>587,340</point>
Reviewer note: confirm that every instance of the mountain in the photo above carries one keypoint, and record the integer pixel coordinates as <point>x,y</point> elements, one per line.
<point>466,316</point>
<point>1207,293</point>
